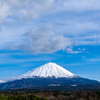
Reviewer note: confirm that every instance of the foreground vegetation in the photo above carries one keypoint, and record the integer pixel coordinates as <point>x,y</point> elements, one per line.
<point>55,95</point>
<point>19,96</point>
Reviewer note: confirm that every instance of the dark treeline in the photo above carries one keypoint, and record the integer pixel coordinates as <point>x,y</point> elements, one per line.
<point>19,96</point>
<point>81,95</point>
<point>50,95</point>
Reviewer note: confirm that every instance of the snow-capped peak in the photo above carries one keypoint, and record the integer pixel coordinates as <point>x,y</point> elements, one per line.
<point>48,70</point>
<point>2,81</point>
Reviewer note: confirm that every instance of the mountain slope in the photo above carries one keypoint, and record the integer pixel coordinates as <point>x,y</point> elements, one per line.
<point>47,82</point>
<point>48,70</point>
<point>47,75</point>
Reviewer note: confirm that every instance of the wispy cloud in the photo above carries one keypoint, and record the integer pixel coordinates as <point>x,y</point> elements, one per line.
<point>77,64</point>
<point>26,25</point>
<point>10,58</point>
<point>78,6</point>
<point>73,64</point>
<point>26,10</point>
<point>70,50</point>
<point>94,60</point>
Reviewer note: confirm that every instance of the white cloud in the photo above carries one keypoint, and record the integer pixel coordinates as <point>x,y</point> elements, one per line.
<point>31,9</point>
<point>24,9</point>
<point>81,49</point>
<point>78,5</point>
<point>76,23</point>
<point>4,10</point>
<point>43,40</point>
<point>86,39</point>
<point>70,50</point>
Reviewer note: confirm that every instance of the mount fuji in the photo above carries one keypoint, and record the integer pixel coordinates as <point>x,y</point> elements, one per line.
<point>47,75</point>
<point>48,70</point>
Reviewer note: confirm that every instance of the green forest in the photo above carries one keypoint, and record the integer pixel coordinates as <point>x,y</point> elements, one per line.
<point>20,97</point>
<point>50,95</point>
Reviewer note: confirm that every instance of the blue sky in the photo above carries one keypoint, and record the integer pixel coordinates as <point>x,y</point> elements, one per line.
<point>35,32</point>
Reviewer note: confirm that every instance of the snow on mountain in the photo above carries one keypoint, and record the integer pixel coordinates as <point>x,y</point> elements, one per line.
<point>1,81</point>
<point>48,70</point>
